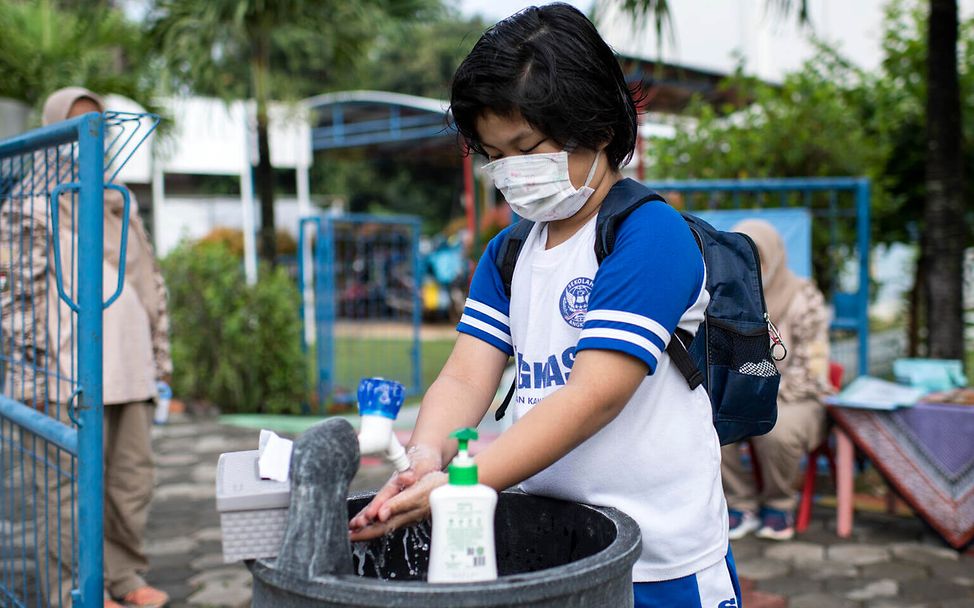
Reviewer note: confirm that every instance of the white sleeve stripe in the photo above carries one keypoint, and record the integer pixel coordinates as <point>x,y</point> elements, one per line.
<point>621,316</point>
<point>485,327</point>
<point>621,336</point>
<point>482,308</point>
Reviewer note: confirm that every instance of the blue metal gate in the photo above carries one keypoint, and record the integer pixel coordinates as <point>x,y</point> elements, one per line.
<point>839,209</point>
<point>51,300</point>
<point>362,312</point>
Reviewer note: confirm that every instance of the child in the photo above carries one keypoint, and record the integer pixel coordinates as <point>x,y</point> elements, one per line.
<point>601,414</point>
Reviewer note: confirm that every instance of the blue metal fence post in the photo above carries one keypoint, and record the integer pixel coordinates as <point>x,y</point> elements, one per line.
<point>325,304</point>
<point>318,277</point>
<point>863,202</point>
<point>417,310</point>
<point>90,250</point>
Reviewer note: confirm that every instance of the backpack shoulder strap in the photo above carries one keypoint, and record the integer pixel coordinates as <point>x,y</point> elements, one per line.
<point>506,260</point>
<point>679,349</point>
<point>626,196</point>
<point>509,250</point>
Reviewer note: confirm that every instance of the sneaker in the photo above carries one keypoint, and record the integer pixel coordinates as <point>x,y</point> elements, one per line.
<point>741,523</point>
<point>146,597</point>
<point>776,525</point>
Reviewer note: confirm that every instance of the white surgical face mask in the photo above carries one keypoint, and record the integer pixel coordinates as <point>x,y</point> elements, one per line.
<point>537,186</point>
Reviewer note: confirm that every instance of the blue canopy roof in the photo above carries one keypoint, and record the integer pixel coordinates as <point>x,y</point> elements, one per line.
<point>349,119</point>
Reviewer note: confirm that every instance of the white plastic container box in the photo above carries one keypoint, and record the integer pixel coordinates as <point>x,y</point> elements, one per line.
<point>253,511</point>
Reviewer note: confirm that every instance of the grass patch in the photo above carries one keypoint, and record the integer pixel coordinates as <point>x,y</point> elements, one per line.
<point>357,358</point>
<point>390,358</point>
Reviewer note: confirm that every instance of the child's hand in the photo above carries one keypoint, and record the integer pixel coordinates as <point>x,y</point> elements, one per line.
<point>409,506</point>
<point>423,459</point>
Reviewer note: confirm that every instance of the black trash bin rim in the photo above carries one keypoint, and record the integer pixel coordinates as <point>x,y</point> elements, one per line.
<point>585,573</point>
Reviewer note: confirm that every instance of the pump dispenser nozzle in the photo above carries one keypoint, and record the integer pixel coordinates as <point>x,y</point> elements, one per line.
<point>463,468</point>
<point>379,401</point>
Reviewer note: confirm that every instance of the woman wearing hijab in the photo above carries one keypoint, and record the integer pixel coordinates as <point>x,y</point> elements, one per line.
<point>40,329</point>
<point>798,309</point>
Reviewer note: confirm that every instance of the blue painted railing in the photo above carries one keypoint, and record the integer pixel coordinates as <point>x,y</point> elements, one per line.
<point>80,279</point>
<point>51,501</point>
<point>851,308</point>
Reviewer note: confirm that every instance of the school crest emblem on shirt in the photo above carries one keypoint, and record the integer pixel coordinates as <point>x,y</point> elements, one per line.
<point>574,301</point>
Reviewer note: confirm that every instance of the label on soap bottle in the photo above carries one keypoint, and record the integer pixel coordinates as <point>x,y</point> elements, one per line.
<point>462,547</point>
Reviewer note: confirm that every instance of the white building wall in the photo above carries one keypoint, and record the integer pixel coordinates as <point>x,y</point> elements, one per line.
<point>194,217</point>
<point>714,35</point>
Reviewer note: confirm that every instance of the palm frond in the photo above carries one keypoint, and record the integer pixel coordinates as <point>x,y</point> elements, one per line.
<point>656,10</point>
<point>785,8</point>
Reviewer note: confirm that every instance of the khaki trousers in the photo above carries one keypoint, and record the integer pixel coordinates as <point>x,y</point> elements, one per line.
<point>129,480</point>
<point>800,428</point>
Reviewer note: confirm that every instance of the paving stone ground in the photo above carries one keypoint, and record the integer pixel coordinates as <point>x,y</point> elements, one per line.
<point>889,562</point>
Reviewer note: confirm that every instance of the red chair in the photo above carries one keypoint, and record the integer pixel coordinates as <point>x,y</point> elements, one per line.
<point>836,371</point>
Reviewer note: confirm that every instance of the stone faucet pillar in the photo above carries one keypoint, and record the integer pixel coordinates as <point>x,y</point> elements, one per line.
<point>324,461</point>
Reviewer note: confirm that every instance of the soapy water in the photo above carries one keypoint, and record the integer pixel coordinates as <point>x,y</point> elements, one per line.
<point>371,558</point>
<point>415,540</point>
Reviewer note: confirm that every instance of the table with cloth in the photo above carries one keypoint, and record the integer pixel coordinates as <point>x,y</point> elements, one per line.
<point>925,452</point>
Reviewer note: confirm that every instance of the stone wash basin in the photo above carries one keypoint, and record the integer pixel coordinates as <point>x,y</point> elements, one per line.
<point>550,553</point>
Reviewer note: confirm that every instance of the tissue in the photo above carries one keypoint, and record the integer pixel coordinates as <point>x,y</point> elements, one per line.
<point>274,456</point>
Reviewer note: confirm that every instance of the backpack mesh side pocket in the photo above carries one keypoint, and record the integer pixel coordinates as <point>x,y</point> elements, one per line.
<point>746,351</point>
<point>743,382</point>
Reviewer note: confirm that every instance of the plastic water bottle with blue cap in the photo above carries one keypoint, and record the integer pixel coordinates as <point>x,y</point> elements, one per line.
<point>162,403</point>
<point>379,401</point>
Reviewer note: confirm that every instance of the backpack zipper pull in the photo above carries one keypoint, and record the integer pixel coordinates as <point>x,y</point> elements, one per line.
<point>776,342</point>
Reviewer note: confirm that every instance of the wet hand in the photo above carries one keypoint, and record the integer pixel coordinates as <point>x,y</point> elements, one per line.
<point>423,460</point>
<point>408,506</point>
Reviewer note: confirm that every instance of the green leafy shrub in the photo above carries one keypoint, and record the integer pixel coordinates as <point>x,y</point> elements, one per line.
<point>233,345</point>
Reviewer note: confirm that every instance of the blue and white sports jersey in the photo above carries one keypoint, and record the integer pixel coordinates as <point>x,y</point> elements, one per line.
<point>659,459</point>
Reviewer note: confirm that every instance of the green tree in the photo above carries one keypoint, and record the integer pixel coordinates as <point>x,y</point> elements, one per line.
<point>233,344</point>
<point>46,45</point>
<point>898,97</point>
<point>944,232</point>
<point>414,58</point>
<point>394,183</point>
<point>812,125</point>
<point>807,126</point>
<point>419,58</point>
<point>284,44</point>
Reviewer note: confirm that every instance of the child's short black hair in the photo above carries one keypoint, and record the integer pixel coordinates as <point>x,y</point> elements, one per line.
<point>550,65</point>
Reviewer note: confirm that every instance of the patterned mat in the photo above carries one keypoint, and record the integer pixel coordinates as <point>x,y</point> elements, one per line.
<point>927,454</point>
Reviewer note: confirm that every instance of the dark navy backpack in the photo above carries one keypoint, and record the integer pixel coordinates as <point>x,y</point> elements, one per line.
<point>731,354</point>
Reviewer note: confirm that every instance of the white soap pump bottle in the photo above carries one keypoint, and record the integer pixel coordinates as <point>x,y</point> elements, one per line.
<point>462,545</point>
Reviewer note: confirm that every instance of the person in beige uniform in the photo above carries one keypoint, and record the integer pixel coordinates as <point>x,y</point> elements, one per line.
<point>39,328</point>
<point>798,309</point>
